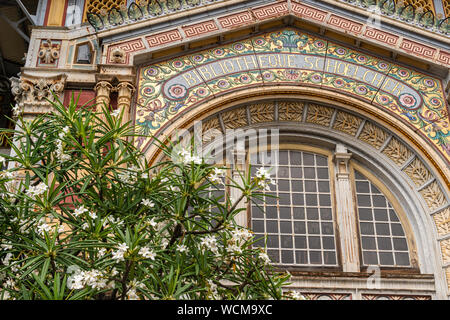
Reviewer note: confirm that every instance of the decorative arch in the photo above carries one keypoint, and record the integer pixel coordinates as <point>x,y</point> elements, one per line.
<point>397,157</point>
<point>317,88</point>
<point>292,58</point>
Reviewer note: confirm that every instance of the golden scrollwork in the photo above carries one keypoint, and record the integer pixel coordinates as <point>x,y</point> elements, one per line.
<point>347,123</point>
<point>442,221</point>
<point>235,118</point>
<point>290,111</point>
<point>96,6</point>
<point>418,173</point>
<point>373,135</point>
<point>262,112</point>
<point>320,115</point>
<point>426,5</point>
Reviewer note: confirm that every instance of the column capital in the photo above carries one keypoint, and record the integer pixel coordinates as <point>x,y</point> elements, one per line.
<point>125,85</point>
<point>31,92</point>
<point>103,84</point>
<point>341,158</point>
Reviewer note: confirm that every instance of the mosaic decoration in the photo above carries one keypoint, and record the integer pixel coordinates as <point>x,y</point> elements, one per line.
<point>290,57</point>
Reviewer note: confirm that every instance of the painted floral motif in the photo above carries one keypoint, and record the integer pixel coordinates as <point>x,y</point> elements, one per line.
<point>316,78</point>
<point>245,78</point>
<point>177,92</point>
<point>291,74</point>
<point>407,100</point>
<point>361,90</point>
<point>238,47</point>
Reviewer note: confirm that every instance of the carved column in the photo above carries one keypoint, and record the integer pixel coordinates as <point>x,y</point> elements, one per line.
<point>103,90</point>
<point>125,91</point>
<point>238,166</point>
<point>346,215</point>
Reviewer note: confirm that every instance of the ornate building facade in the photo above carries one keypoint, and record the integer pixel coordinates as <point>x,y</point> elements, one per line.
<point>356,90</point>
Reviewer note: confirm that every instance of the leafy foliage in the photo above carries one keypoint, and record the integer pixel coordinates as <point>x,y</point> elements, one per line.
<point>83,215</point>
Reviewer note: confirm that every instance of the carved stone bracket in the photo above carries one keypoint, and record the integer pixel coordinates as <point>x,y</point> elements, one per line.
<point>49,52</point>
<point>342,157</point>
<point>32,94</point>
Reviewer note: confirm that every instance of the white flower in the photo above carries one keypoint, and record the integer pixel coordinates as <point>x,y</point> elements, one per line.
<point>263,256</point>
<point>148,203</point>
<point>61,229</point>
<point>147,253</point>
<point>152,222</point>
<point>118,255</point>
<point>79,211</point>
<point>10,283</point>
<point>181,248</point>
<point>115,113</point>
<point>217,175</point>
<point>7,258</point>
<point>234,248</point>
<point>145,175</point>
<point>123,247</point>
<point>2,160</point>
<point>43,227</point>
<point>92,278</point>
<point>241,234</point>
<point>84,226</point>
<point>35,191</point>
<point>93,215</point>
<point>187,158</point>
<point>6,246</point>
<point>262,173</point>
<point>131,294</point>
<point>101,252</point>
<point>210,242</point>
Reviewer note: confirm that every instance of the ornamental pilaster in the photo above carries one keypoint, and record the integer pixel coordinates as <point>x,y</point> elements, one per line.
<point>345,211</point>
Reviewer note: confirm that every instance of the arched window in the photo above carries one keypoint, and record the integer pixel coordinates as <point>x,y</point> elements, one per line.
<point>297,222</point>
<point>342,212</point>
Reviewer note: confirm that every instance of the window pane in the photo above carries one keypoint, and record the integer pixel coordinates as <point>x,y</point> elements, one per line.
<point>299,222</point>
<point>382,235</point>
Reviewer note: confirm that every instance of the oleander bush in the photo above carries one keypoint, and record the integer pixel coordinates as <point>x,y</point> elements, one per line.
<point>83,215</point>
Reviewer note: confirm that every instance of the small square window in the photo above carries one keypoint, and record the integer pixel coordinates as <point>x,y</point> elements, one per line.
<point>295,158</point>
<point>286,242</point>
<point>272,226</point>
<point>285,212</point>
<point>314,243</point>
<point>313,228</point>
<point>300,242</point>
<point>308,159</point>
<point>310,173</point>
<point>286,227</point>
<point>315,257</point>
<point>301,257</point>
<point>299,227</point>
<point>299,213</point>
<point>312,213</point>
<point>287,256</point>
